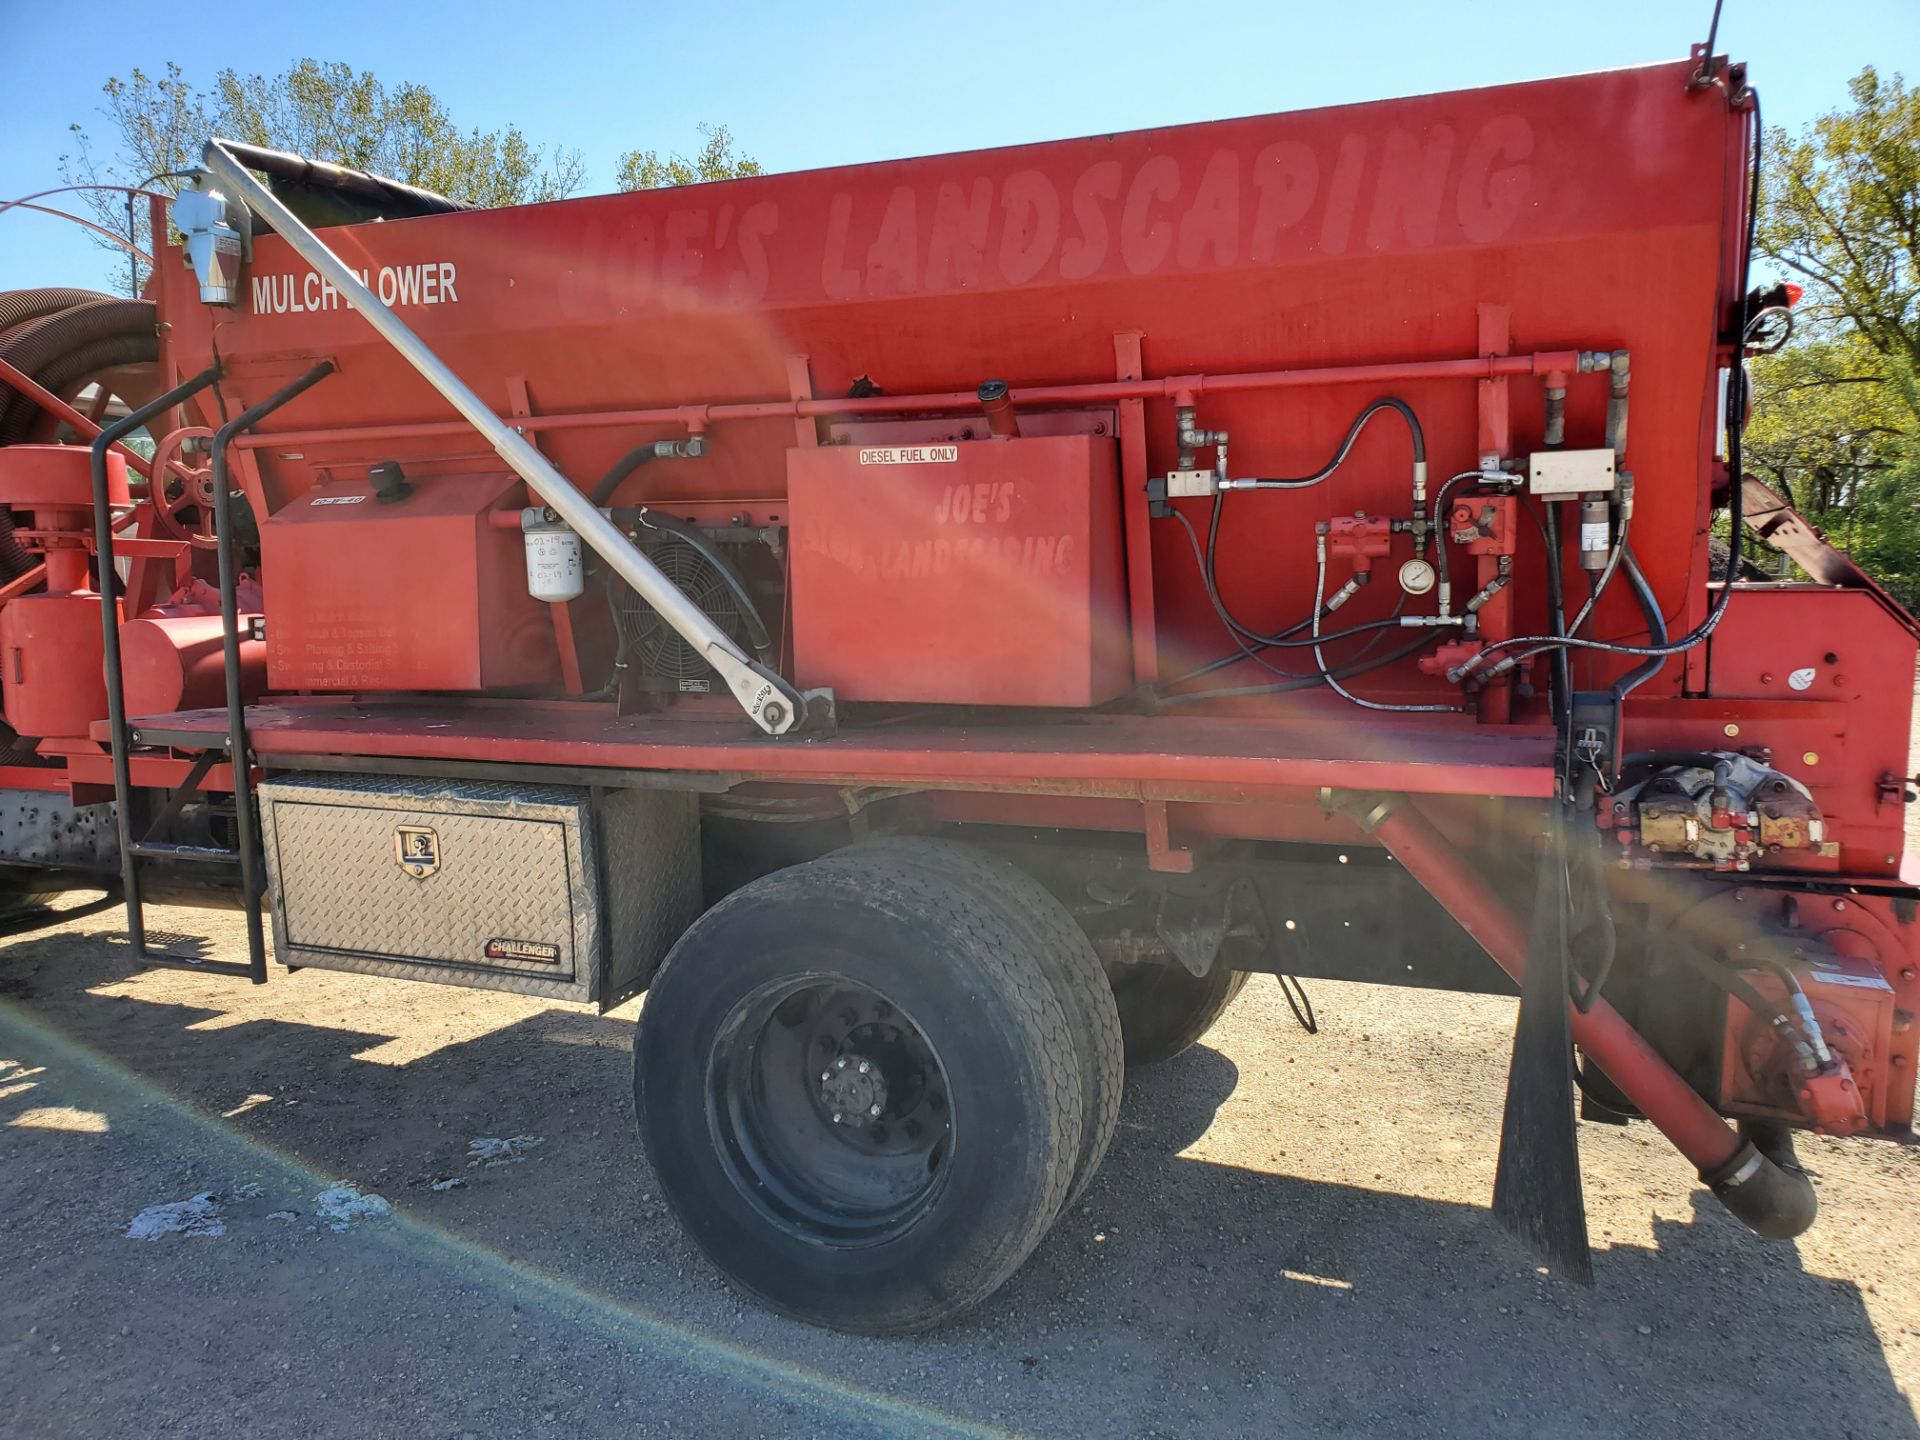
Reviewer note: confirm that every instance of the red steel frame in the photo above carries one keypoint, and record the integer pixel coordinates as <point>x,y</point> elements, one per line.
<point>1496,216</point>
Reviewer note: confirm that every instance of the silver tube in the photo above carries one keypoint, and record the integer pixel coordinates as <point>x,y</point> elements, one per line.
<point>769,701</point>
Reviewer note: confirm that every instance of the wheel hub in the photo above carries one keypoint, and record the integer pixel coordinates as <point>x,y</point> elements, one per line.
<point>831,1108</point>
<point>854,1090</point>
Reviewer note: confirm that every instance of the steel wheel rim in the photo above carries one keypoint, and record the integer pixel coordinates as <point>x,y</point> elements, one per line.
<point>791,1110</point>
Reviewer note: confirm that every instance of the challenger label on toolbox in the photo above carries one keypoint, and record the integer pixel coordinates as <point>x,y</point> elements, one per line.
<point>523,950</point>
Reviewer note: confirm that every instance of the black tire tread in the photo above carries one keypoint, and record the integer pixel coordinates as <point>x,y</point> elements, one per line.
<point>1077,974</point>
<point>902,886</point>
<point>1184,1008</point>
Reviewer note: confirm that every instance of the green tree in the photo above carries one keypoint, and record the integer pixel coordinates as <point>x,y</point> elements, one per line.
<point>1837,413</point>
<point>323,110</point>
<point>645,170</point>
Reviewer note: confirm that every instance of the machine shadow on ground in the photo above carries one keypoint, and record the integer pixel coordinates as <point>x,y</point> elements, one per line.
<point>1290,1299</point>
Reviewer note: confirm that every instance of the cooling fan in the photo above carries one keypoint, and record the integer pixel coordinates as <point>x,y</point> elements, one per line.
<point>655,657</point>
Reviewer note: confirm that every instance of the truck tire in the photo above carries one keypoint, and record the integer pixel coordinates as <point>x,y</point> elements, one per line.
<point>1074,967</point>
<point>1164,1008</point>
<point>794,1009</point>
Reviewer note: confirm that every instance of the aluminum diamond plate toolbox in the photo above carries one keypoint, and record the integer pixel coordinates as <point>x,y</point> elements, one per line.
<point>540,889</point>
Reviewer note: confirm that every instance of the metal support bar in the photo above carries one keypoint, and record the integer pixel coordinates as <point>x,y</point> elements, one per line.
<point>118,739</point>
<point>770,702</point>
<point>242,765</point>
<point>182,793</point>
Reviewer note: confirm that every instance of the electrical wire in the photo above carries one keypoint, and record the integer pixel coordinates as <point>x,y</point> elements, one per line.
<point>1319,595</point>
<point>1283,639</point>
<point>1760,343</point>
<point>1249,641</point>
<point>1346,670</point>
<point>1380,632</point>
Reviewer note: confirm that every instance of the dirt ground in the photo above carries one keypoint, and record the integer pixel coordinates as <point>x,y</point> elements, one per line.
<point>1290,1237</point>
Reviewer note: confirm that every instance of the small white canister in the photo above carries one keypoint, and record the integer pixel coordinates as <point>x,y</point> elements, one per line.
<point>554,570</point>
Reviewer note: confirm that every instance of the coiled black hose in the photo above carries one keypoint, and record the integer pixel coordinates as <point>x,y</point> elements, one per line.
<point>63,348</point>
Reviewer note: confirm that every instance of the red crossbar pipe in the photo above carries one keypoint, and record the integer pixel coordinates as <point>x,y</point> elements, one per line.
<point>698,416</point>
<point>1602,1032</point>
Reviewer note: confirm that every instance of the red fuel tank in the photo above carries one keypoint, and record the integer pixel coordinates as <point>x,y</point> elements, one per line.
<point>982,572</point>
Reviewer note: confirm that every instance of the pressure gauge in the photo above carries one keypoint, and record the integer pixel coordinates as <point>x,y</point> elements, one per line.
<point>1416,577</point>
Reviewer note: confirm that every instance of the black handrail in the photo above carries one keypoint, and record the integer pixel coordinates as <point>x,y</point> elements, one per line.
<point>110,591</point>
<point>230,637</point>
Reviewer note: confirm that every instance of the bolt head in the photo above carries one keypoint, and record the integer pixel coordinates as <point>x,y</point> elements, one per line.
<point>836,1117</point>
<point>865,1067</point>
<point>874,1111</point>
<point>841,1063</point>
<point>825,1075</point>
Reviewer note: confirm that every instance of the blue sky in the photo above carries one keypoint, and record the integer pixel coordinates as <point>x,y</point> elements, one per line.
<point>824,84</point>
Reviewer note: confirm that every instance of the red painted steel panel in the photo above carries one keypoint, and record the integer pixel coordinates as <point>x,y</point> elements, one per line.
<point>418,594</point>
<point>1595,209</point>
<point>982,572</point>
<point>1811,649</point>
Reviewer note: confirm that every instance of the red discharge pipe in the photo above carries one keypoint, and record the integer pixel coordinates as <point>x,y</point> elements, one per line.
<point>1602,1032</point>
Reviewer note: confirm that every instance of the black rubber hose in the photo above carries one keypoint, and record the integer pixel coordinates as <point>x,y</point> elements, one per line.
<point>109,332</point>
<point>1557,613</point>
<point>67,373</point>
<point>620,469</point>
<point>1656,628</point>
<point>14,560</point>
<point>1306,682</point>
<point>1763,1184</point>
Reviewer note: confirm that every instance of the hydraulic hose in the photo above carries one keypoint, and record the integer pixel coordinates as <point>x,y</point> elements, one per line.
<point>1385,402</point>
<point>1343,671</point>
<point>1656,627</point>
<point>1735,419</point>
<point>620,469</point>
<point>1333,682</point>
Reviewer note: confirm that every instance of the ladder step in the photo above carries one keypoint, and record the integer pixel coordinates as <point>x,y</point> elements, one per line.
<point>204,854</point>
<point>160,960</point>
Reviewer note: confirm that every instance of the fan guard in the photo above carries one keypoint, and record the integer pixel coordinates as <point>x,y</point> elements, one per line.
<point>653,648</point>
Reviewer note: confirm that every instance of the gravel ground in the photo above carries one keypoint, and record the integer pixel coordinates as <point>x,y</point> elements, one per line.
<point>1290,1237</point>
